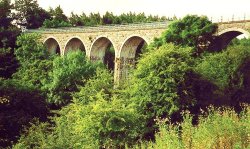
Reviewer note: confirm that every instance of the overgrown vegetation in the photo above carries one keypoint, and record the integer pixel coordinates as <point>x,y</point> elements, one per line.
<point>70,102</point>
<point>217,128</point>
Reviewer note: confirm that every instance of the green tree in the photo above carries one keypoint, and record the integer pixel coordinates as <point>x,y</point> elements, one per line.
<point>5,13</point>
<point>68,72</point>
<point>95,19</point>
<point>75,20</point>
<point>219,68</point>
<point>8,64</point>
<point>30,14</point>
<point>192,31</point>
<point>154,88</point>
<point>35,61</point>
<point>95,119</point>
<point>8,33</point>
<point>58,14</point>
<point>19,104</point>
<point>30,48</point>
<point>108,18</point>
<point>58,19</point>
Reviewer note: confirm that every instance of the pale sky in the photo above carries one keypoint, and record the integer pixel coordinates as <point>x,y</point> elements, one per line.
<point>168,8</point>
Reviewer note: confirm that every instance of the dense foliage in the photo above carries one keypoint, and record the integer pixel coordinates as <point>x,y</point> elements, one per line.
<point>68,72</point>
<point>154,87</point>
<point>207,134</point>
<point>8,33</point>
<point>93,120</point>
<point>220,68</point>
<point>29,14</point>
<point>94,19</point>
<point>34,60</point>
<point>191,31</point>
<point>58,19</point>
<point>91,113</point>
<point>19,104</point>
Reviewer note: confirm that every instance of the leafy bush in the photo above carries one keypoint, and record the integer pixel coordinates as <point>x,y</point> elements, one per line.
<point>35,61</point>
<point>102,82</point>
<point>154,88</point>
<point>55,23</point>
<point>35,73</point>
<point>187,30</point>
<point>192,31</point>
<point>95,120</point>
<point>220,68</point>
<point>36,136</point>
<point>8,64</point>
<point>68,72</point>
<point>19,104</point>
<point>30,48</point>
<point>219,129</point>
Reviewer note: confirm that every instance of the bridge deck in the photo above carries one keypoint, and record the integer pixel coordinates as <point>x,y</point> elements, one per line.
<point>154,25</point>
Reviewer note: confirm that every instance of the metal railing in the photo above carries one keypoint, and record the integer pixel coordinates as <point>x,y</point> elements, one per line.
<point>134,26</point>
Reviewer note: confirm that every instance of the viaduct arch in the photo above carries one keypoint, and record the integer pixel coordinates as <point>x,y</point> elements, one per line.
<point>227,31</point>
<point>72,44</point>
<point>126,41</point>
<point>227,35</point>
<point>102,49</point>
<point>52,45</point>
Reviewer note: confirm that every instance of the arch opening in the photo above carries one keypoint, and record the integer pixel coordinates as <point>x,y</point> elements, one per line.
<point>74,44</point>
<point>132,48</point>
<point>130,52</point>
<point>103,50</point>
<point>227,36</point>
<point>52,46</point>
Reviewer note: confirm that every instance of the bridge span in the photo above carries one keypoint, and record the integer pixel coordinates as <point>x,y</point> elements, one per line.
<point>127,40</point>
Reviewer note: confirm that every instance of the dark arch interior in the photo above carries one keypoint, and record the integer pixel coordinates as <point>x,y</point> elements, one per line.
<point>225,39</point>
<point>103,50</point>
<point>52,46</point>
<point>133,48</point>
<point>140,49</point>
<point>109,58</point>
<point>73,45</point>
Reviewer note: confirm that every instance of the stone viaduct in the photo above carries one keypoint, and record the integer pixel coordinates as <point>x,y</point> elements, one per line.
<point>127,40</point>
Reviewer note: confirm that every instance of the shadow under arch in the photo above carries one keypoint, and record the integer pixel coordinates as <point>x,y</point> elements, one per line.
<point>73,44</point>
<point>52,45</point>
<point>102,49</point>
<point>132,47</point>
<point>226,36</point>
<point>129,53</point>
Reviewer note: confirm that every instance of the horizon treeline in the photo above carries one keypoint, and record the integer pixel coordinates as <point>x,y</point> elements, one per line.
<point>28,14</point>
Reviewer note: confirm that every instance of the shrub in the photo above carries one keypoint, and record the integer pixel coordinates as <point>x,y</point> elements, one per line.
<point>218,129</point>
<point>220,68</point>
<point>30,48</point>
<point>54,23</point>
<point>68,72</point>
<point>94,120</point>
<point>154,88</point>
<point>192,31</point>
<point>19,104</point>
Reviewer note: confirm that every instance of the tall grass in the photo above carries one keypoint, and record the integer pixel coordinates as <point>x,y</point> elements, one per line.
<point>216,129</point>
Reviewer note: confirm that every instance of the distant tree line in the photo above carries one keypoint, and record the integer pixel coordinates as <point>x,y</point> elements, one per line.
<point>59,19</point>
<point>29,14</point>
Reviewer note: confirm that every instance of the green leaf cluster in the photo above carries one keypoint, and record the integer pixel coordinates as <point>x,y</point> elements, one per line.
<point>155,84</point>
<point>220,68</point>
<point>30,48</point>
<point>218,128</point>
<point>68,72</point>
